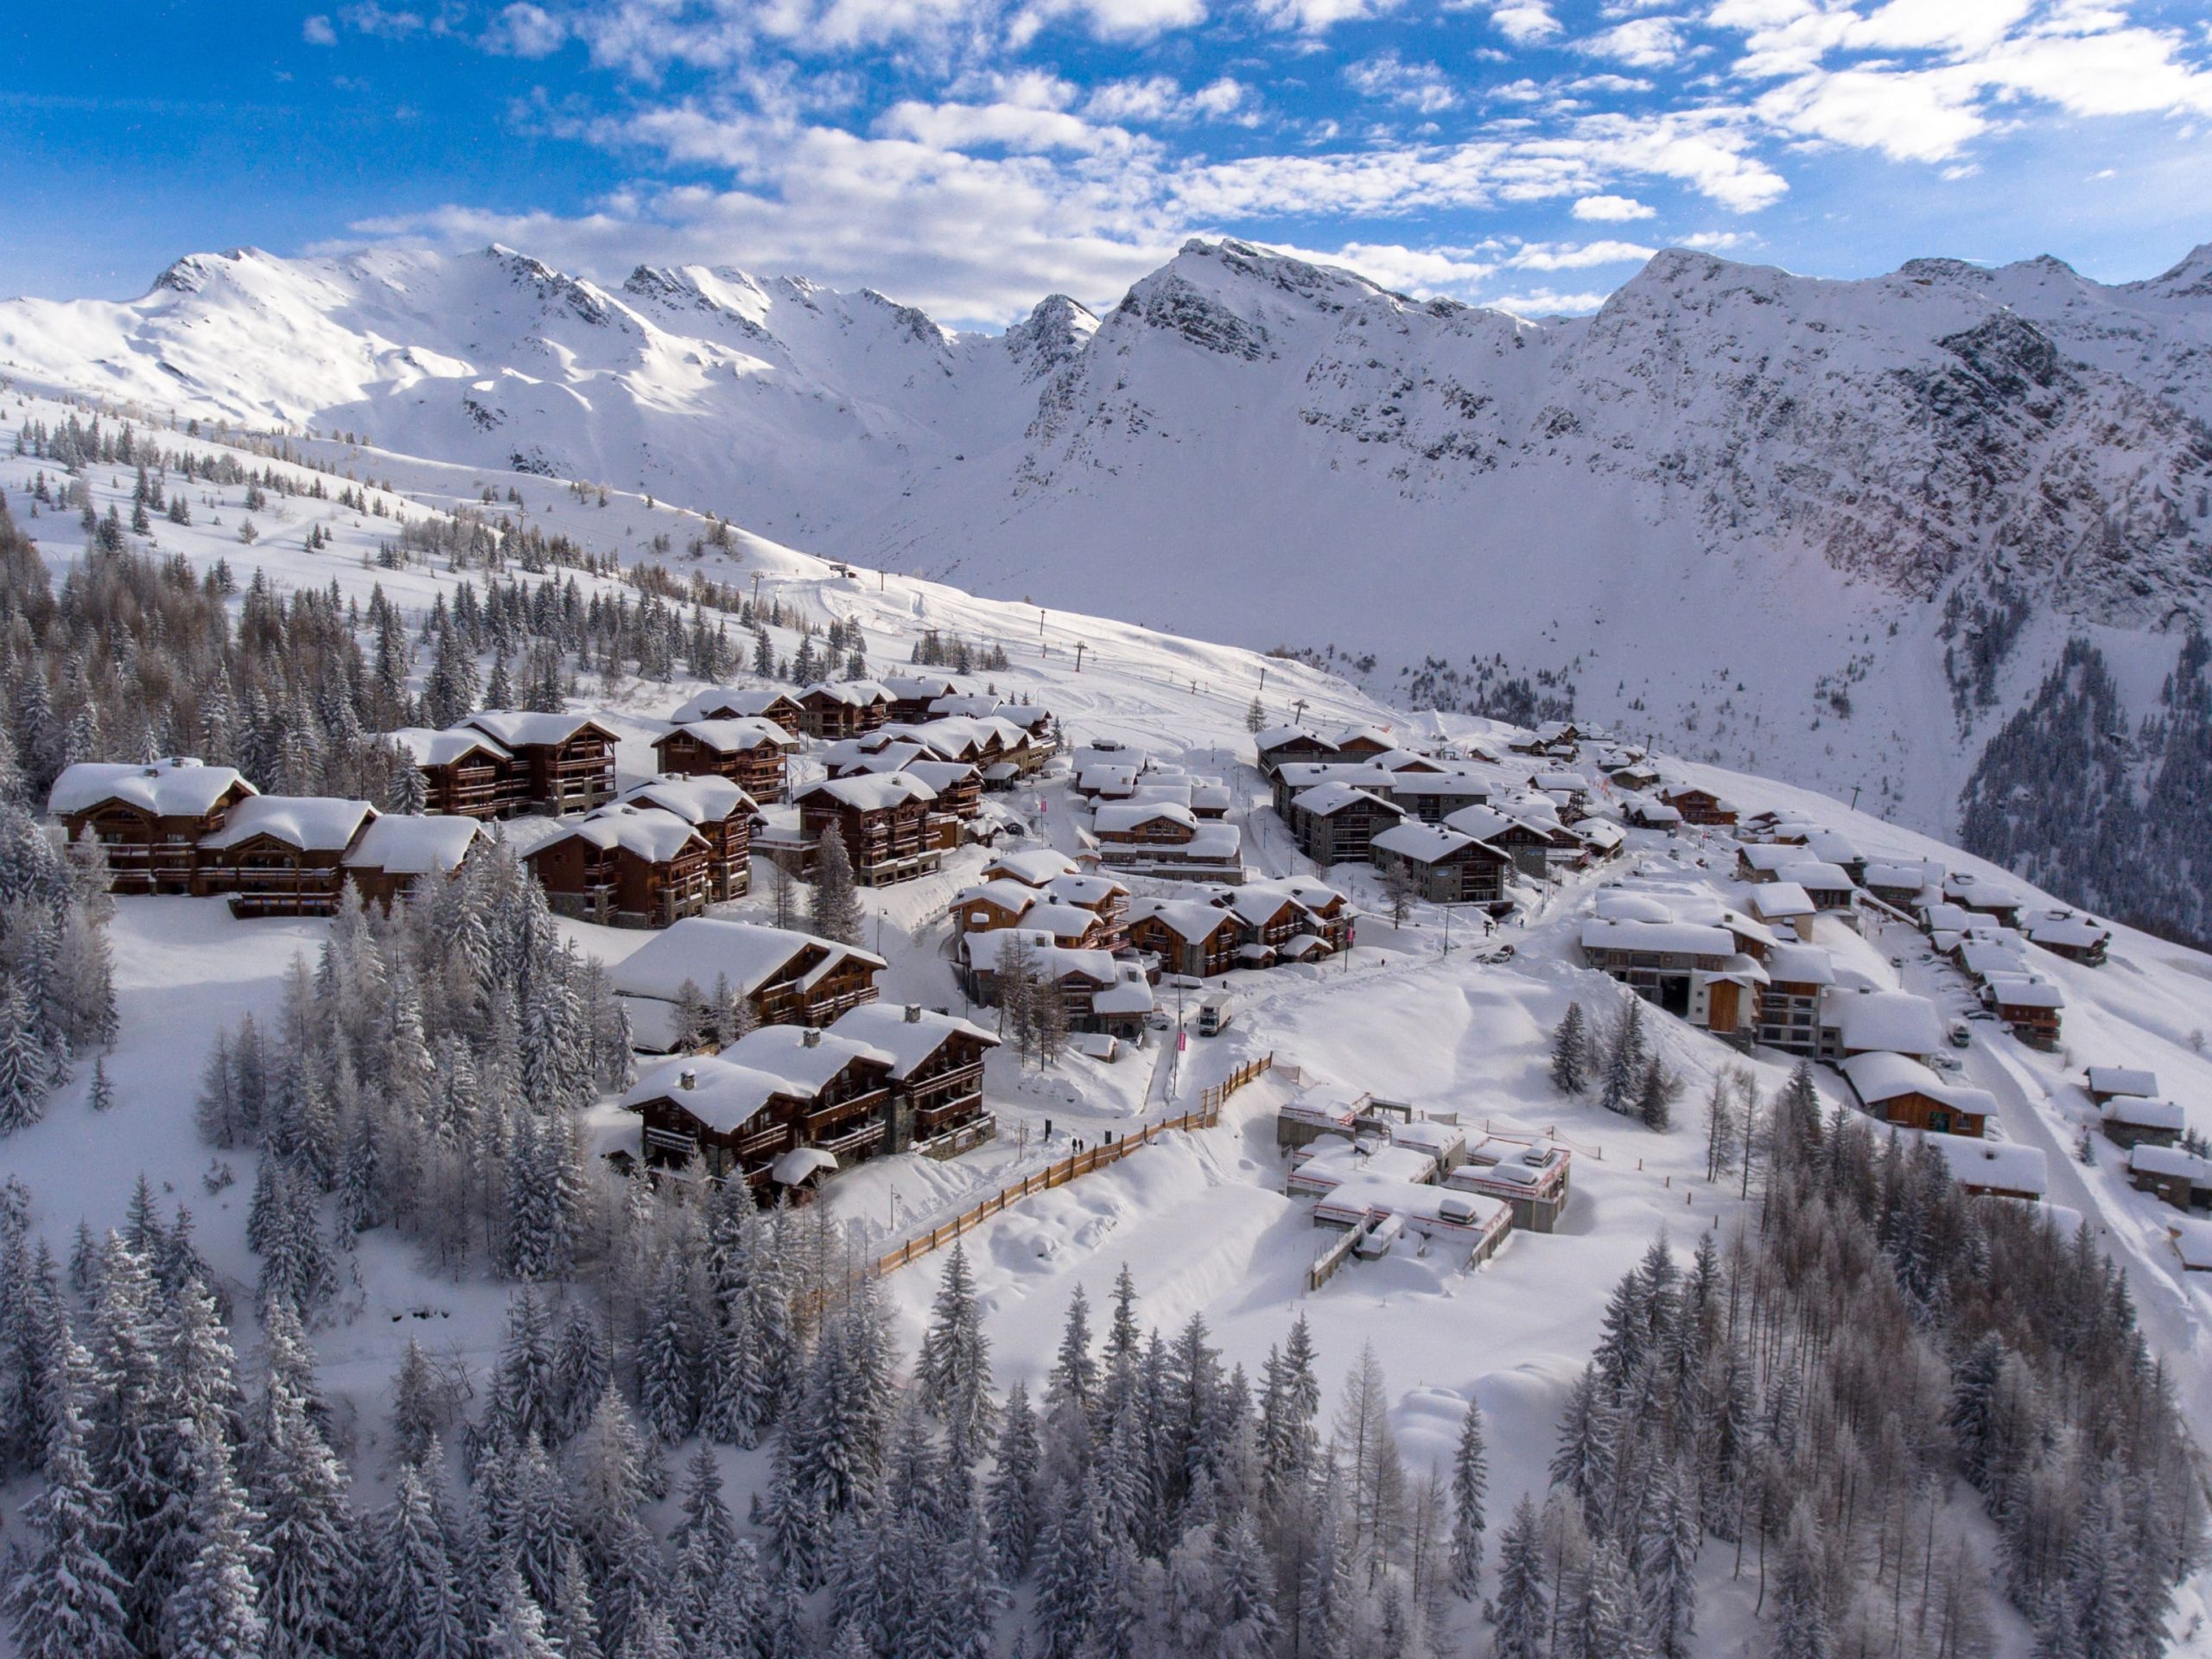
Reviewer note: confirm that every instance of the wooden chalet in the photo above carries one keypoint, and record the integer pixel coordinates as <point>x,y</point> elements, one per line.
<point>1866,1022</point>
<point>1700,806</point>
<point>2129,1122</point>
<point>1278,745</point>
<point>1532,843</point>
<point>626,865</point>
<point>2031,1006</point>
<point>1447,867</point>
<point>1166,838</point>
<point>465,774</point>
<point>1102,895</point>
<point>735,703</point>
<point>397,855</point>
<point>1694,970</point>
<point>913,695</point>
<point>843,709</point>
<point>151,819</point>
<point>886,820</point>
<point>777,1109</point>
<point>1996,1169</point>
<point>1991,899</point>
<point>1337,824</point>
<point>2069,934</point>
<point>1187,935</point>
<point>1432,797</point>
<point>2106,1084</point>
<point>723,814</point>
<point>562,763</point>
<point>1893,1089</point>
<point>751,751</point>
<point>2178,1178</point>
<point>936,1074</point>
<point>1294,777</point>
<point>282,854</point>
<point>785,977</point>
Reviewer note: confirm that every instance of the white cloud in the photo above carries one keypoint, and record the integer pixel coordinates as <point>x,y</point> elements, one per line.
<point>1319,17</point>
<point>369,18</point>
<point>1612,209</point>
<point>1546,302</point>
<point>1568,256</point>
<point>1388,78</point>
<point>1158,101</point>
<point>523,30</point>
<point>1714,241</point>
<point>1016,127</point>
<point>1642,42</point>
<point>318,31</point>
<point>1112,19</point>
<point>1524,23</point>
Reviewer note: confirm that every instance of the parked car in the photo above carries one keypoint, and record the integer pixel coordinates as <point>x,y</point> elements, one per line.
<point>1961,1034</point>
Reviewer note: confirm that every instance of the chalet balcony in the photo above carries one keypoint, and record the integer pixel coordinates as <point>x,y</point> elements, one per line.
<point>942,1114</point>
<point>819,1127</point>
<point>859,1139</point>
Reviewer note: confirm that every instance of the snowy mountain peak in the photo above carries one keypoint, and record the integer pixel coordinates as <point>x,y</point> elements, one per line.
<point>2191,278</point>
<point>1053,334</point>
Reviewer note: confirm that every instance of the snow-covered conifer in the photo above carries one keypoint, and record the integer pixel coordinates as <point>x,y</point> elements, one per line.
<point>1570,1052</point>
<point>1469,1491</point>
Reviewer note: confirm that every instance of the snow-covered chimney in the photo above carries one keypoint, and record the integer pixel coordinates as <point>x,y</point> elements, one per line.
<point>913,1014</point>
<point>687,1078</point>
<point>812,1037</point>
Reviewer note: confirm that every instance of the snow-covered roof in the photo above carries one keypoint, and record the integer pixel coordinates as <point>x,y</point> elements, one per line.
<point>649,832</point>
<point>1421,1206</point>
<point>1897,1020</point>
<point>2022,991</point>
<point>2003,1165</point>
<point>1308,774</point>
<point>1061,921</point>
<point>1895,874</point>
<point>2123,1080</point>
<point>854,694</point>
<point>2192,1243</point>
<point>313,824</point>
<point>811,1058</point>
<point>1189,919</point>
<point>2137,1114</point>
<point>1767,857</point>
<point>1880,1076</point>
<point>697,797</point>
<point>441,749</point>
<point>800,1164</point>
<point>1324,1163</point>
<point>915,688</point>
<point>1779,901</point>
<point>1275,737</point>
<point>729,701</point>
<point>1122,815</point>
<point>1964,887</point>
<point>1985,957</point>
<point>1424,843</point>
<point>1052,961</point>
<point>909,1034</point>
<point>1034,864</point>
<point>1089,891</point>
<point>1325,800</point>
<point>2170,1160</point>
<point>721,1093</point>
<point>179,787</point>
<point>1003,890</point>
<point>1132,994</point>
<point>1684,938</point>
<point>402,845</point>
<point>733,736</point>
<point>1834,847</point>
<point>2066,930</point>
<point>1628,904</point>
<point>521,727</point>
<point>1944,917</point>
<point>941,776</point>
<point>1800,964</point>
<point>704,948</point>
<point>871,792</point>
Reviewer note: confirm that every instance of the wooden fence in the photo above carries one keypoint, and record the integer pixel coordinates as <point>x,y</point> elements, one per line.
<point>1083,1163</point>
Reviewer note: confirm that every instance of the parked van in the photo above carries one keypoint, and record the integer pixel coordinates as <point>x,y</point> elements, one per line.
<point>1214,1013</point>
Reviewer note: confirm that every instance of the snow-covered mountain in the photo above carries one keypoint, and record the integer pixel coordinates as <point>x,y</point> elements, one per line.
<point>1834,531</point>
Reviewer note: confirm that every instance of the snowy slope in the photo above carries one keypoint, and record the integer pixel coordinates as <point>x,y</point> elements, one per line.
<point>1203,1221</point>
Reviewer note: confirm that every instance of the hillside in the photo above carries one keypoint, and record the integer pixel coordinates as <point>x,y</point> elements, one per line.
<point>1202,1221</point>
<point>1834,531</point>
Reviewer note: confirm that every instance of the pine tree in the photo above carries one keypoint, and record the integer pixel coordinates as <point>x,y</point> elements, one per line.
<point>415,1607</point>
<point>834,912</point>
<point>1470,1488</point>
<point>1624,1061</point>
<point>1570,1052</point>
<point>305,1530</point>
<point>952,1371</point>
<point>1014,1499</point>
<point>1801,1619</point>
<point>68,1603</point>
<point>214,1612</point>
<point>1524,1608</point>
<point>26,1071</point>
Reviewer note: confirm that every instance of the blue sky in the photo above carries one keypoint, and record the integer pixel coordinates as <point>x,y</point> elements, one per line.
<point>970,155</point>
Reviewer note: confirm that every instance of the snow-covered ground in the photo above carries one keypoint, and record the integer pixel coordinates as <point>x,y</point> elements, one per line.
<point>1202,1221</point>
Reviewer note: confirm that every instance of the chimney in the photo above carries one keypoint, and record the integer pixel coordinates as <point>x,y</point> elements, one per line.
<point>687,1078</point>
<point>913,1014</point>
<point>812,1037</point>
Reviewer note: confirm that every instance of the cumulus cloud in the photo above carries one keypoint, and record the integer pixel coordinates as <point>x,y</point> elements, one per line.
<point>1642,42</point>
<point>1612,209</point>
<point>1388,78</point>
<point>523,30</point>
<point>319,31</point>
<point>1548,302</point>
<point>1565,256</point>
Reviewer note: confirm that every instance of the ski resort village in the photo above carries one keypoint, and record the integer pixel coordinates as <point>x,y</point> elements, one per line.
<point>579,1082</point>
